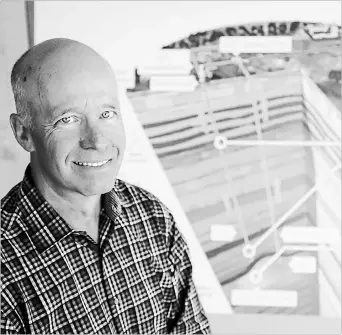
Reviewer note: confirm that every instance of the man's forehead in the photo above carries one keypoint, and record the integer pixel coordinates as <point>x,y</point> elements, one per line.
<point>75,84</point>
<point>79,104</point>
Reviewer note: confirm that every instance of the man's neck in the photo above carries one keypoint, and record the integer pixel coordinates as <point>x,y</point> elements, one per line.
<point>79,211</point>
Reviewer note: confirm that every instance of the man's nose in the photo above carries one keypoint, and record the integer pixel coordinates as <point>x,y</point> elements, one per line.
<point>93,138</point>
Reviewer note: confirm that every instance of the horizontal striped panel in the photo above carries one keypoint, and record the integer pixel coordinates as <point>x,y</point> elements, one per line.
<point>169,148</point>
<point>239,175</point>
<point>231,101</point>
<point>224,124</point>
<point>174,115</point>
<point>212,193</point>
<point>229,117</point>
<point>242,154</point>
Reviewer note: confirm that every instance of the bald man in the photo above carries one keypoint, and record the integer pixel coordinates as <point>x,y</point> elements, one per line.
<point>82,251</point>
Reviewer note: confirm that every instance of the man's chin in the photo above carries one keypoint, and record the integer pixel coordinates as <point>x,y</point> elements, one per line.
<point>92,190</point>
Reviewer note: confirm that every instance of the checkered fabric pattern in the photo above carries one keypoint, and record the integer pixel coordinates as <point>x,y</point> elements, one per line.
<point>136,280</point>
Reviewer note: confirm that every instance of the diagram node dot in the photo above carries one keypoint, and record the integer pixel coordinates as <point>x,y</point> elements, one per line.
<point>220,142</point>
<point>248,251</point>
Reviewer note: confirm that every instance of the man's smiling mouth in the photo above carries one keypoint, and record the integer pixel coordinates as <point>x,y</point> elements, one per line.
<point>92,164</point>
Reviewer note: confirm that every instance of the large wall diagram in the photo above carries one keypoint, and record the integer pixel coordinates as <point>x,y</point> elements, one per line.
<point>262,213</point>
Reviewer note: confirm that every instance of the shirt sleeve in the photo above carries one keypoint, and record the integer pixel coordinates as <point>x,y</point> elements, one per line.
<point>11,318</point>
<point>10,321</point>
<point>190,316</point>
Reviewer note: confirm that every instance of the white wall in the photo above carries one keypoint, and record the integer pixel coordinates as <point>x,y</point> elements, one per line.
<point>13,42</point>
<point>128,31</point>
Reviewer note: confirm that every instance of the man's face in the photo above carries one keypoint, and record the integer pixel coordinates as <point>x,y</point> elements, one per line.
<point>78,134</point>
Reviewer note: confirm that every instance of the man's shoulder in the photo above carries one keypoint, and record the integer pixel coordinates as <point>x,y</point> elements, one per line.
<point>138,197</point>
<point>133,193</point>
<point>13,231</point>
<point>9,207</point>
<point>11,195</point>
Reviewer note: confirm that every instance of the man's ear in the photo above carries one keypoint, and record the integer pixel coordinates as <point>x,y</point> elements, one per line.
<point>22,133</point>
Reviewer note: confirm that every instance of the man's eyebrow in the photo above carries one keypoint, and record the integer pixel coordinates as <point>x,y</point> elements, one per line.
<point>111,104</point>
<point>68,107</point>
<point>60,110</point>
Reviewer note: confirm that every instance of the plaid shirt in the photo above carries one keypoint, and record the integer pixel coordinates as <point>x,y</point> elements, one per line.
<point>137,279</point>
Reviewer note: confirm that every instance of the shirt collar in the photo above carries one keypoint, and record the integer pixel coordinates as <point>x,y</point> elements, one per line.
<point>44,225</point>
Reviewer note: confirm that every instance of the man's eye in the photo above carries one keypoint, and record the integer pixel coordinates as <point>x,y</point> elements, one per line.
<point>67,120</point>
<point>108,114</point>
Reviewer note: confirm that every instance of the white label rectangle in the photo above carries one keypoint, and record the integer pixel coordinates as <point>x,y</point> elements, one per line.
<point>173,83</point>
<point>309,235</point>
<point>303,264</point>
<point>255,44</point>
<point>266,298</point>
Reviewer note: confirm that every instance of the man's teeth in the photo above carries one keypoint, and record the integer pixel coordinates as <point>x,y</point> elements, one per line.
<point>91,164</point>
